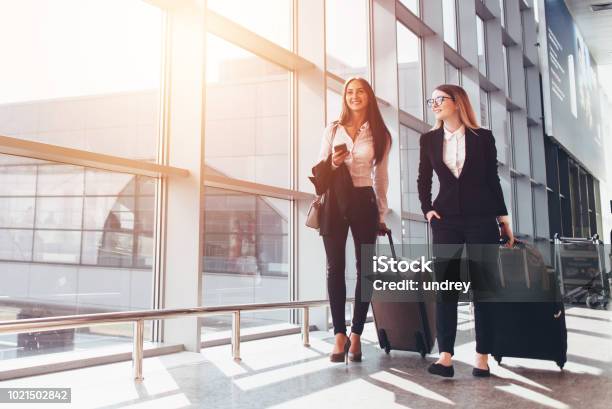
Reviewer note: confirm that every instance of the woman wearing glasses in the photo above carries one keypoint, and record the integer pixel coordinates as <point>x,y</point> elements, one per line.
<point>469,208</point>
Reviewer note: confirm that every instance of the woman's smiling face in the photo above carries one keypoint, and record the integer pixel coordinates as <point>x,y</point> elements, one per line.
<point>444,109</point>
<point>356,96</point>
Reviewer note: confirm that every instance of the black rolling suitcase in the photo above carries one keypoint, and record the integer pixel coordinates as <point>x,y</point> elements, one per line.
<point>405,326</point>
<point>530,329</point>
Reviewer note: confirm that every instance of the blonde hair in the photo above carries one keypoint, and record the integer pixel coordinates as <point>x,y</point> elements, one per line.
<point>466,113</point>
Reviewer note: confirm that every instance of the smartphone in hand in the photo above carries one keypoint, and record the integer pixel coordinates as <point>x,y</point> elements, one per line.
<point>340,148</point>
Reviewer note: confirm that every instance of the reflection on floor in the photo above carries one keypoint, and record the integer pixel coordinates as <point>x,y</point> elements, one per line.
<point>280,373</point>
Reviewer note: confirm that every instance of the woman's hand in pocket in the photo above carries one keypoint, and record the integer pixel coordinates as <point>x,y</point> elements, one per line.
<point>505,230</point>
<point>431,214</point>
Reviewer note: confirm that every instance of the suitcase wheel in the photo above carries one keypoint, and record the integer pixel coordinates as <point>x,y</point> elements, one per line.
<point>560,364</point>
<point>420,343</point>
<point>498,359</point>
<point>384,341</point>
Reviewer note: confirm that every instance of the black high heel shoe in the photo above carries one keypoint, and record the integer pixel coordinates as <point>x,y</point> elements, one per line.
<point>341,356</point>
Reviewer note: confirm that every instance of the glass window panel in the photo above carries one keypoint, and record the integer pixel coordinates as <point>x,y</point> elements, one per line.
<point>100,182</point>
<point>145,213</point>
<point>412,5</point>
<point>72,81</point>
<point>57,246</point>
<point>452,75</point>
<point>17,179</point>
<point>415,233</point>
<point>14,245</point>
<point>63,269</point>
<point>485,114</point>
<point>409,71</point>
<point>346,29</point>
<point>17,212</point>
<point>109,213</point>
<point>247,115</point>
<point>144,250</point>
<point>60,180</point>
<point>506,71</point>
<point>334,106</point>
<point>59,212</point>
<point>246,255</point>
<point>146,186</point>
<point>268,18</point>
<point>409,164</point>
<point>108,248</point>
<point>449,17</point>
<point>482,49</point>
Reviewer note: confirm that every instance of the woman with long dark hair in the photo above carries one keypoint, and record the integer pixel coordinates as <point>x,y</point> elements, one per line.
<point>359,141</point>
<point>469,209</point>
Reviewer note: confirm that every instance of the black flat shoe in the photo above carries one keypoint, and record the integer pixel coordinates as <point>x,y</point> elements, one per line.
<point>441,370</point>
<point>481,373</point>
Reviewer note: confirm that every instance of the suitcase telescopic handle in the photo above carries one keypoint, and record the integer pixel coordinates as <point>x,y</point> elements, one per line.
<point>388,232</point>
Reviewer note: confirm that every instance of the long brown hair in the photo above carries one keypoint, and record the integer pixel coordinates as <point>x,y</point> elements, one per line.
<point>380,132</point>
<point>466,112</point>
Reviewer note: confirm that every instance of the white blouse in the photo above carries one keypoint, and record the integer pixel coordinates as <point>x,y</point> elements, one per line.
<point>360,162</point>
<point>454,150</point>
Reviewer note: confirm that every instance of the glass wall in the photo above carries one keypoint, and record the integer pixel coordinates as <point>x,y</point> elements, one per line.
<point>409,71</point>
<point>77,240</point>
<point>412,5</point>
<point>73,240</point>
<point>247,115</point>
<point>72,81</point>
<point>482,48</point>
<point>270,19</point>
<point>485,109</point>
<point>506,72</point>
<point>452,74</point>
<point>414,226</point>
<point>347,38</point>
<point>246,257</point>
<point>449,17</point>
<point>248,137</point>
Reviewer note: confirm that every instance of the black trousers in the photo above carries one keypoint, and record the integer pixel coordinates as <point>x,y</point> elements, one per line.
<point>482,238</point>
<point>362,219</point>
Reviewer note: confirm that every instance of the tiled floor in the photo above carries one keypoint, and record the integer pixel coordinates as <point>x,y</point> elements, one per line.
<point>280,373</point>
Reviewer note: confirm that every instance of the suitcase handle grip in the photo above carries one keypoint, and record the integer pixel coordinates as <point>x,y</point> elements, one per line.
<point>388,233</point>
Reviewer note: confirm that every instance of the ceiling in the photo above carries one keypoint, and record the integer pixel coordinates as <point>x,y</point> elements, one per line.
<point>596,28</point>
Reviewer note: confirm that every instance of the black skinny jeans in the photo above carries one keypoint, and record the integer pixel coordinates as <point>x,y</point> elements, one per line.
<point>362,219</point>
<point>459,230</point>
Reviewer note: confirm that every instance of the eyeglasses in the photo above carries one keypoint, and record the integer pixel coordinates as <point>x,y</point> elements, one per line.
<point>437,101</point>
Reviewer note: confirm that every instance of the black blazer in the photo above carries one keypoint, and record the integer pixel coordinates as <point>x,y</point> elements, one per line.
<point>336,187</point>
<point>477,191</point>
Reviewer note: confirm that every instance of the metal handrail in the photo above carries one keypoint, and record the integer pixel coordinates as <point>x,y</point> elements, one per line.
<point>138,318</point>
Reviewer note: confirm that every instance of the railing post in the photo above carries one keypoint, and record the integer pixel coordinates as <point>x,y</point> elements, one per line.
<point>236,335</point>
<point>138,353</point>
<point>306,326</point>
